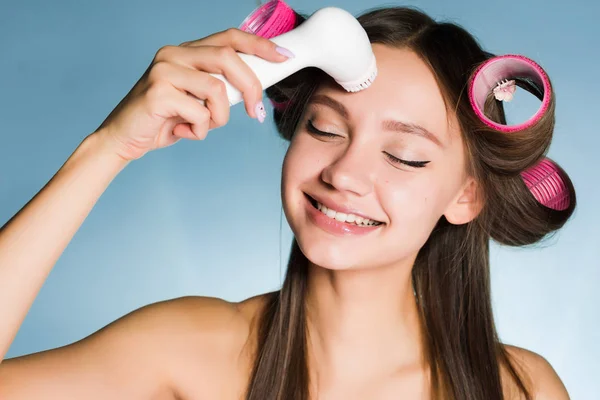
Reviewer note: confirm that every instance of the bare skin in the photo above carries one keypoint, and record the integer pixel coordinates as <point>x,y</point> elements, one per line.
<point>203,348</point>
<point>137,357</point>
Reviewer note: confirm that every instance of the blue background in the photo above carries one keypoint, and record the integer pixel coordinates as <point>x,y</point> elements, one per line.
<point>204,218</point>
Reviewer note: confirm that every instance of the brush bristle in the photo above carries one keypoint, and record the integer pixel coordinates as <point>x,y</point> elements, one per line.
<point>364,82</point>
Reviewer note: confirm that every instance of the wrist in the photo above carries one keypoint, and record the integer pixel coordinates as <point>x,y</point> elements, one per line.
<point>97,150</point>
<point>102,145</point>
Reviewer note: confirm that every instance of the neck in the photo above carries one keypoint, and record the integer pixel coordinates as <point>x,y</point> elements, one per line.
<point>362,324</point>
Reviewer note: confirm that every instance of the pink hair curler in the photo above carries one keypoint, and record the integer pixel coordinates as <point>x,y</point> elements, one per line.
<point>543,180</point>
<point>498,75</point>
<point>269,20</point>
<point>280,106</point>
<point>494,75</point>
<point>547,186</point>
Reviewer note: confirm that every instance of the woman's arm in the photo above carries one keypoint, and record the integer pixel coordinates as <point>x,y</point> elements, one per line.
<point>33,240</point>
<point>121,361</point>
<point>159,110</point>
<point>174,349</point>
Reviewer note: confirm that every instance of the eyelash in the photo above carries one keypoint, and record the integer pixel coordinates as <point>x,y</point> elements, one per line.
<point>311,128</point>
<point>415,164</point>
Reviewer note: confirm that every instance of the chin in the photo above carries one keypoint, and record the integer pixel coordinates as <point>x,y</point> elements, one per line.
<point>328,256</point>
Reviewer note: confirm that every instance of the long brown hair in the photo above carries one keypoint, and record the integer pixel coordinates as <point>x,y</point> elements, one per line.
<point>451,275</point>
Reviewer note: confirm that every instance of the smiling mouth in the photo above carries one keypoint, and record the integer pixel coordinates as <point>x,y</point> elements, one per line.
<point>343,217</point>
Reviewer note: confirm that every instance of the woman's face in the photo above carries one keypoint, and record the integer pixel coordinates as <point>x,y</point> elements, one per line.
<point>359,171</point>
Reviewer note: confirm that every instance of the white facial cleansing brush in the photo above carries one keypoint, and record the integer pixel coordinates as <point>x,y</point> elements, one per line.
<point>331,40</point>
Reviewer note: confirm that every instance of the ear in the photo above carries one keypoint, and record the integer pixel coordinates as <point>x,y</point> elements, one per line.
<point>466,205</point>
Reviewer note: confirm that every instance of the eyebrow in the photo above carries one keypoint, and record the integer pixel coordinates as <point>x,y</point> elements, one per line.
<point>388,125</point>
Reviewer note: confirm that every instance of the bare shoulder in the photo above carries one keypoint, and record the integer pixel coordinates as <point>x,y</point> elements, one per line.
<point>216,345</point>
<point>541,378</point>
<point>210,344</point>
<point>189,347</point>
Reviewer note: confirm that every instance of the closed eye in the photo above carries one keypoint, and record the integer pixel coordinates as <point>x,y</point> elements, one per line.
<point>415,164</point>
<point>311,128</point>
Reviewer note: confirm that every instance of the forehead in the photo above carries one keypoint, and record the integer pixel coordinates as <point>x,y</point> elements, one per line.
<point>405,89</point>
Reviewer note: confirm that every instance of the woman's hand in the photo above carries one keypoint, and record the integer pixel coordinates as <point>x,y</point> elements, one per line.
<point>163,105</point>
<point>161,108</point>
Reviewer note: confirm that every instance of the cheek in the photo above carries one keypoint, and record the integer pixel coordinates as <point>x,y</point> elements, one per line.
<point>405,205</point>
<point>302,162</point>
<point>413,199</point>
<point>414,209</point>
<point>296,170</point>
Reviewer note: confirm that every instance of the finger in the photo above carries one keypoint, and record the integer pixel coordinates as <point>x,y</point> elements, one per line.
<point>241,41</point>
<point>171,103</point>
<point>180,130</point>
<point>184,131</point>
<point>196,114</point>
<point>224,61</point>
<point>200,85</point>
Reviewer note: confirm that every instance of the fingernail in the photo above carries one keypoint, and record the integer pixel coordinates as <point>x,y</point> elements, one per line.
<point>285,52</point>
<point>261,113</point>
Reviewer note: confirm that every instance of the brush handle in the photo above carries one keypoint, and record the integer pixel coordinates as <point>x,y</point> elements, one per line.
<point>269,73</point>
<point>331,39</point>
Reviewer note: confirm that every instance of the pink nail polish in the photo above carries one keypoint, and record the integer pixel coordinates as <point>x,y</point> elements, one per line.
<point>285,52</point>
<point>261,113</point>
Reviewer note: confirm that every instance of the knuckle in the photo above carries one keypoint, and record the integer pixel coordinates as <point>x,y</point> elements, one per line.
<point>225,52</point>
<point>156,94</point>
<point>204,114</point>
<point>268,45</point>
<point>165,53</point>
<point>234,35</point>
<point>201,126</point>
<point>223,121</point>
<point>222,117</point>
<point>232,32</point>
<point>261,41</point>
<point>159,71</point>
<point>255,88</point>
<point>217,87</point>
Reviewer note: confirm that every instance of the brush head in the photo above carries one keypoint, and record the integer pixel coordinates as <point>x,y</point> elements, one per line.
<point>340,46</point>
<point>363,81</point>
<point>330,39</point>
<point>545,182</point>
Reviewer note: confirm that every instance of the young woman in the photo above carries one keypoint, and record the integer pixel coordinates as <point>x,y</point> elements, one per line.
<point>392,301</point>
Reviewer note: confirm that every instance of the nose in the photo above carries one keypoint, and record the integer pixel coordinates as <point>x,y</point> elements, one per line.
<point>350,172</point>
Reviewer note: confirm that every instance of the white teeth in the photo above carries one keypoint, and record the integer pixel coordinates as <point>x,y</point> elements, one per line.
<point>342,217</point>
